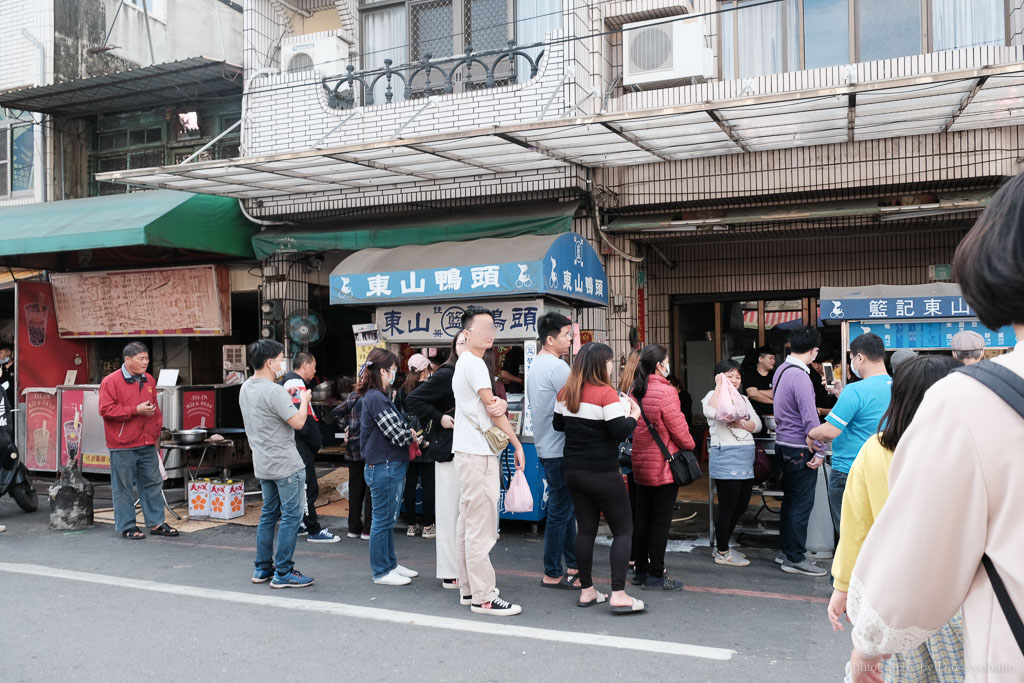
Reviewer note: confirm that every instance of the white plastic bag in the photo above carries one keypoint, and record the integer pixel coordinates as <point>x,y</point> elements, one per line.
<point>731,406</point>
<point>518,497</point>
<point>342,489</point>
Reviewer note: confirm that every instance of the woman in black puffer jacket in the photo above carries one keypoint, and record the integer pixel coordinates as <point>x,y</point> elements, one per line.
<point>434,404</point>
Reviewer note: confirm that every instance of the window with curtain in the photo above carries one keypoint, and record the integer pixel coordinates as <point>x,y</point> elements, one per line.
<point>762,39</point>
<point>534,20</point>
<point>967,23</point>
<point>384,37</point>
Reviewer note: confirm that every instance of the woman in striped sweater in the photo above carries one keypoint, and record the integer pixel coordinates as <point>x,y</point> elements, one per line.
<point>594,418</point>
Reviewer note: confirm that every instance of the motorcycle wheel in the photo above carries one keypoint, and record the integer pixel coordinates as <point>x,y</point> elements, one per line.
<point>24,494</point>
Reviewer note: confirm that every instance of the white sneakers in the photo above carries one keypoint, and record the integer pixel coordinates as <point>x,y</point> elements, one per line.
<point>3,528</point>
<point>399,576</point>
<point>393,578</point>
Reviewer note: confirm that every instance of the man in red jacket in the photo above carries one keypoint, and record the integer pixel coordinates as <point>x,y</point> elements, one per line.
<point>131,424</point>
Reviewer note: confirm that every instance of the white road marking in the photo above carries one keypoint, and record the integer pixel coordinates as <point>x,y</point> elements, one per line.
<point>376,614</point>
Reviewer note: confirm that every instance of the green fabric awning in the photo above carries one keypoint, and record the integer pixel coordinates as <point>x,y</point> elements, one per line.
<point>541,219</point>
<point>161,218</point>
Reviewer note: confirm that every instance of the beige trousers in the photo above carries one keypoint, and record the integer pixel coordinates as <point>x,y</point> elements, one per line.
<point>477,528</point>
<point>446,512</point>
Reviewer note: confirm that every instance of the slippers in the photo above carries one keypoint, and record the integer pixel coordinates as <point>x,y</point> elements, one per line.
<point>637,606</point>
<point>163,530</point>
<point>569,582</point>
<point>601,598</point>
<point>133,534</point>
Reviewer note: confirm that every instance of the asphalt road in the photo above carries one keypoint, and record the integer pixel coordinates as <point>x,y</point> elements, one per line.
<point>90,606</point>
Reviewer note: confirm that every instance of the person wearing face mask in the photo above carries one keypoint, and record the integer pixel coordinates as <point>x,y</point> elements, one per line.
<point>271,420</point>
<point>656,489</point>
<point>856,416</point>
<point>384,442</point>
<point>7,372</point>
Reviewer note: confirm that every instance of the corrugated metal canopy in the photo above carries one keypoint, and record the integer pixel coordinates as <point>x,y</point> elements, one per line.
<point>193,79</point>
<point>979,98</point>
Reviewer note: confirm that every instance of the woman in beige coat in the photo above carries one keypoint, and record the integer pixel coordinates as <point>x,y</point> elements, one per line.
<point>956,489</point>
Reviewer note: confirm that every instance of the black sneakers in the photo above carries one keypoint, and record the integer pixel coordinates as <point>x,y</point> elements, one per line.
<point>497,607</point>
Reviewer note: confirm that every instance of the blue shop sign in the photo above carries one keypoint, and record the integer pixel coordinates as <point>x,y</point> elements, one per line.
<point>569,268</point>
<point>888,308</point>
<point>930,335</point>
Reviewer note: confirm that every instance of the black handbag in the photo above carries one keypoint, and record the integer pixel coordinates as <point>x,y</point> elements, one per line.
<point>683,464</point>
<point>626,454</point>
<point>440,440</point>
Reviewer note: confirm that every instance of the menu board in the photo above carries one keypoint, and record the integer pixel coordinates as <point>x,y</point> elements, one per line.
<point>135,303</point>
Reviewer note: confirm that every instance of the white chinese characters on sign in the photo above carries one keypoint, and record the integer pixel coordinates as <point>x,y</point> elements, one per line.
<point>578,257</point>
<point>598,287</point>
<point>878,308</point>
<point>932,307</point>
<point>958,307</point>
<point>904,308</point>
<point>449,280</point>
<point>484,276</point>
<point>378,285</point>
<point>412,287</point>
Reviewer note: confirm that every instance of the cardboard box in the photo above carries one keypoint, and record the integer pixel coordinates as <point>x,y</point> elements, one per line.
<point>227,499</point>
<point>199,499</point>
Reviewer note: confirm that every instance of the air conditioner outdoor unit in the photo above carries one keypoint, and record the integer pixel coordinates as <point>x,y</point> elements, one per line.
<point>328,55</point>
<point>664,51</point>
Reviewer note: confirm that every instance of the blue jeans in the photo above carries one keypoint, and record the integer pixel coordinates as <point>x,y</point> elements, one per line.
<point>282,500</point>
<point>836,488</point>
<point>560,529</point>
<point>386,482</point>
<point>128,467</point>
<point>798,483</point>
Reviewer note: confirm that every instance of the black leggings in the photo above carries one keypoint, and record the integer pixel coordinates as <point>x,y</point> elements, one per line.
<point>652,521</point>
<point>733,499</point>
<point>594,493</point>
<point>415,471</point>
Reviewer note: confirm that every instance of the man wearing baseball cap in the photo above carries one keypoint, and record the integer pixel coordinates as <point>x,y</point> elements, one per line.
<point>968,347</point>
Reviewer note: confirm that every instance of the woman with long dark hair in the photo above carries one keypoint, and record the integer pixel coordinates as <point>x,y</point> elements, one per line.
<point>867,489</point>
<point>730,462</point>
<point>385,438</point>
<point>423,467</point>
<point>656,488</point>
<point>595,421</point>
<point>434,403</point>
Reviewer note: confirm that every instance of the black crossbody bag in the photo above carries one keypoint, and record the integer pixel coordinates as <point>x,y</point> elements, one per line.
<point>683,464</point>
<point>1009,386</point>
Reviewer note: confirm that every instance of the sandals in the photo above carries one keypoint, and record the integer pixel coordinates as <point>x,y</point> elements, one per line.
<point>134,534</point>
<point>163,530</point>
<point>600,599</point>
<point>569,582</point>
<point>637,606</point>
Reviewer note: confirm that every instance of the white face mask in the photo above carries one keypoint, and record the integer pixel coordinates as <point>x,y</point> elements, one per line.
<point>855,370</point>
<point>279,371</point>
<point>667,371</point>
<point>391,382</point>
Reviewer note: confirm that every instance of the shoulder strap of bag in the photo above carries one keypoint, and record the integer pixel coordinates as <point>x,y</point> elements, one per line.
<point>775,384</point>
<point>654,432</point>
<point>1009,386</point>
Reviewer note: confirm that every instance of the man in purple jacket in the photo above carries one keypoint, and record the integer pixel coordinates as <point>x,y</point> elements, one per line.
<point>795,417</point>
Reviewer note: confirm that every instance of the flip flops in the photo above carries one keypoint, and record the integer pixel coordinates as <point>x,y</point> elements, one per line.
<point>600,599</point>
<point>637,606</point>
<point>569,582</point>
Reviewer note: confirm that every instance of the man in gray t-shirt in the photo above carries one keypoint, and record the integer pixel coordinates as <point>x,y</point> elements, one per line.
<point>545,378</point>
<point>271,421</point>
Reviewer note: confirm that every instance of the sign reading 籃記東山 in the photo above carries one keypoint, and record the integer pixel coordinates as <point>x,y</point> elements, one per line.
<point>514,319</point>
<point>569,268</point>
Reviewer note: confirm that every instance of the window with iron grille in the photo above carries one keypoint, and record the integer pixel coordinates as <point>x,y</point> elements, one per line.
<point>17,154</point>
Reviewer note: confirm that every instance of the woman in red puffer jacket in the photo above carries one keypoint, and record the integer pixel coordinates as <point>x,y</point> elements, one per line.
<point>656,490</point>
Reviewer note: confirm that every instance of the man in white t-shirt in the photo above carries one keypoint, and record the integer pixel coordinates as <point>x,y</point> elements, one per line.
<point>476,410</point>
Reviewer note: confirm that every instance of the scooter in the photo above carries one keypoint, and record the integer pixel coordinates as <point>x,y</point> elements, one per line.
<point>14,480</point>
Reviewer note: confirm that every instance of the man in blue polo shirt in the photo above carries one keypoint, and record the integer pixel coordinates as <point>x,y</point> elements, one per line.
<point>856,416</point>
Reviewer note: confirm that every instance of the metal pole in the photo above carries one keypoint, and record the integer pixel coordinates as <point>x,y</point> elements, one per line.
<point>110,30</point>
<point>149,36</point>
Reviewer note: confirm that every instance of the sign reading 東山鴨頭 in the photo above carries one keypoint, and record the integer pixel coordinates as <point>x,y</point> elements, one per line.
<point>564,265</point>
<point>514,319</point>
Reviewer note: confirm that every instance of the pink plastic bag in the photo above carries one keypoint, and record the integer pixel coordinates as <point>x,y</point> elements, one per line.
<point>731,406</point>
<point>518,497</point>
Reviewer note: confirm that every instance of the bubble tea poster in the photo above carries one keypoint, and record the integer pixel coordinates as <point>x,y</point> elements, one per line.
<point>42,358</point>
